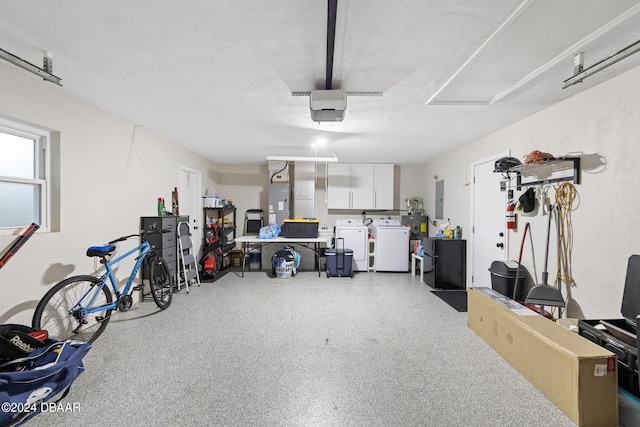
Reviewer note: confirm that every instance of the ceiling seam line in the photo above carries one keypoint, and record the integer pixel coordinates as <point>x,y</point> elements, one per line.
<point>520,10</point>
<point>569,51</point>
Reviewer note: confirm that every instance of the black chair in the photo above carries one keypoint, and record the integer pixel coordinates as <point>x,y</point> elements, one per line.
<point>253,221</point>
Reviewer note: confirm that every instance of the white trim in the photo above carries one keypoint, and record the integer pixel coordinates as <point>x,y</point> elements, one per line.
<point>42,168</point>
<point>506,24</point>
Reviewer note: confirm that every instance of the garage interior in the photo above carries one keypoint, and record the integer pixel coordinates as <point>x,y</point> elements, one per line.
<point>139,102</point>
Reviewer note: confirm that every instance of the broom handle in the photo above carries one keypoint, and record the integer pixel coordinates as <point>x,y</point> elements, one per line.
<point>524,235</point>
<point>515,285</point>
<point>545,273</point>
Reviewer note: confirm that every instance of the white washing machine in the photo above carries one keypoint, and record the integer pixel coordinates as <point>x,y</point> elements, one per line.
<point>392,245</point>
<point>356,238</point>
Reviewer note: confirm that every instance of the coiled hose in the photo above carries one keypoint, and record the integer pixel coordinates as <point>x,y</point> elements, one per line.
<point>567,200</point>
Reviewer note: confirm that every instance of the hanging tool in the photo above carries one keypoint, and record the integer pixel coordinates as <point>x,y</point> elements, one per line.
<point>545,294</point>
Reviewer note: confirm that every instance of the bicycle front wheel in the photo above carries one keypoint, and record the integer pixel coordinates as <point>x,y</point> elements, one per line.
<point>61,310</point>
<point>160,282</point>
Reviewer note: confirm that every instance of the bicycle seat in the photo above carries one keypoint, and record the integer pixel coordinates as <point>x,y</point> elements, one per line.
<point>100,250</point>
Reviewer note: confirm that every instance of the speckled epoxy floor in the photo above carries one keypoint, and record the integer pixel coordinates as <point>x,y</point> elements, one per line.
<point>378,349</point>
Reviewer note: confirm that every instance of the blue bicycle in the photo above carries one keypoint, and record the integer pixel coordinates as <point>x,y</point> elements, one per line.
<point>80,307</point>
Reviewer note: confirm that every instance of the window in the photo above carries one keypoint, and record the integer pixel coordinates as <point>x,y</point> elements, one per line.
<point>24,176</point>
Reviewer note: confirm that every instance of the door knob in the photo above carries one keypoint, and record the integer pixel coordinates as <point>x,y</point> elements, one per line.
<point>500,245</point>
<point>501,234</point>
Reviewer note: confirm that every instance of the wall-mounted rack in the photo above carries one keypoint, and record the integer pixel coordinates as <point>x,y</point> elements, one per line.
<point>545,169</point>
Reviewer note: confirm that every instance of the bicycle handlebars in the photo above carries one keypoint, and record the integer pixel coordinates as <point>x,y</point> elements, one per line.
<point>154,230</point>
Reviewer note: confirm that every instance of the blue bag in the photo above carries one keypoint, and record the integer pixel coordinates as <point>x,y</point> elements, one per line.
<point>45,374</point>
<point>269,232</point>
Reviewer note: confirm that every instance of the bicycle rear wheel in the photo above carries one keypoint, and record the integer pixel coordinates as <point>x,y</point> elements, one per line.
<point>160,282</point>
<point>60,310</point>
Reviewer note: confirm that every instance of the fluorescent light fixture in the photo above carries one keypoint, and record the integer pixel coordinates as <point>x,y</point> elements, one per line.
<point>348,93</point>
<point>302,159</point>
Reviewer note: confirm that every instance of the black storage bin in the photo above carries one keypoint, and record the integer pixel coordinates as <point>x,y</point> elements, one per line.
<point>503,278</point>
<point>299,229</point>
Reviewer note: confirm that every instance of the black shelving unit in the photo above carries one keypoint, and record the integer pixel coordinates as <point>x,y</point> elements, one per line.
<point>226,231</point>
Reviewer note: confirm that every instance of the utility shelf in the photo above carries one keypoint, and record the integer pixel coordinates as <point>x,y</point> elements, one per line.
<point>371,244</point>
<point>225,232</point>
<point>544,169</point>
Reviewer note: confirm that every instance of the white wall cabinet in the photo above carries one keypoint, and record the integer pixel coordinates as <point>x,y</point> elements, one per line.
<point>338,185</point>
<point>360,186</point>
<point>383,186</point>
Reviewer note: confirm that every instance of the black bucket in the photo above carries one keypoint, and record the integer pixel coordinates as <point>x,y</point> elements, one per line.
<point>503,278</point>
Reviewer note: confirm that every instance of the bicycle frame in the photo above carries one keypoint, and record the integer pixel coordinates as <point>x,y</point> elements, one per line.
<point>144,250</point>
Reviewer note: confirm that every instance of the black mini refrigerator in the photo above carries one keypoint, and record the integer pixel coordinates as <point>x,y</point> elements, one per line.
<point>445,263</point>
<point>620,336</point>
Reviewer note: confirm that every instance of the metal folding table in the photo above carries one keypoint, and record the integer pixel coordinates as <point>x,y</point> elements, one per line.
<point>250,243</point>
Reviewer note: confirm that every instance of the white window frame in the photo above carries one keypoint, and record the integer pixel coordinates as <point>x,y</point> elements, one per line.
<point>42,169</point>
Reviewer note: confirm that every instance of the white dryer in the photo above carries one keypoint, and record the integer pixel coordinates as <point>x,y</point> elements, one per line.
<point>356,238</point>
<point>392,245</point>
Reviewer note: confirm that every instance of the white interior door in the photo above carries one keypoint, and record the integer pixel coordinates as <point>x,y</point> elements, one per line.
<point>488,220</point>
<point>190,203</point>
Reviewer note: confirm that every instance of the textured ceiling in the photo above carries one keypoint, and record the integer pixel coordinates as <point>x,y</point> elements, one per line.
<point>217,76</point>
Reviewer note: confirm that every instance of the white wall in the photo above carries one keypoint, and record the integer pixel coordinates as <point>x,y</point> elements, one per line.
<point>247,187</point>
<point>107,180</point>
<point>604,124</point>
